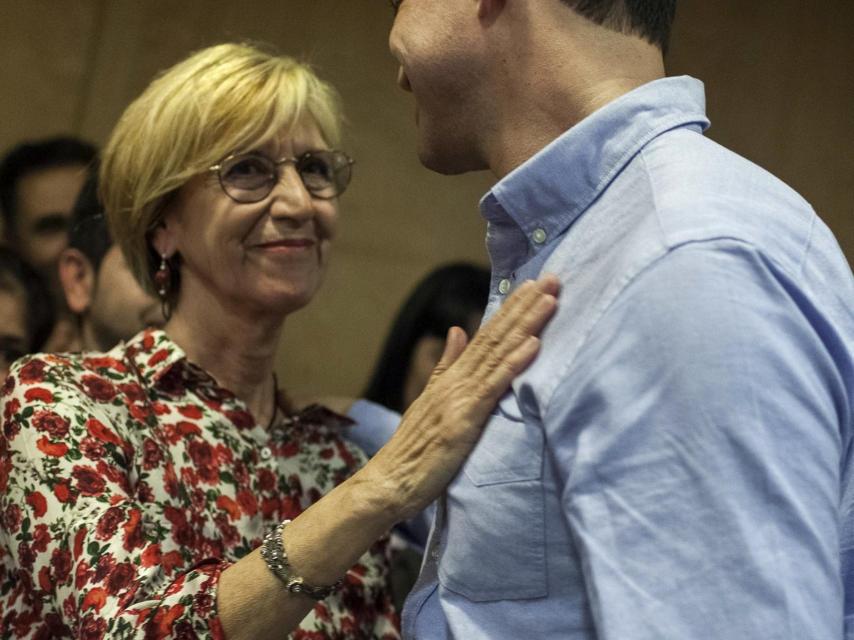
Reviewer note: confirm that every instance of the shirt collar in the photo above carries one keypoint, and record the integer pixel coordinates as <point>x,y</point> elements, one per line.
<point>555,186</point>
<point>155,354</point>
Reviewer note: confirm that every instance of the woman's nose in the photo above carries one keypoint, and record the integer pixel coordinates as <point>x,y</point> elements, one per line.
<point>290,198</point>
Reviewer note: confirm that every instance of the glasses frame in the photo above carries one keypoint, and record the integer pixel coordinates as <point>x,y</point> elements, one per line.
<point>277,164</point>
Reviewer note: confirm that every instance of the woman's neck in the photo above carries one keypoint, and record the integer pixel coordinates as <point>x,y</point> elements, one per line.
<point>237,348</point>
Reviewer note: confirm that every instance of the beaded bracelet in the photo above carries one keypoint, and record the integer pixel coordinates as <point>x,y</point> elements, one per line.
<point>273,552</point>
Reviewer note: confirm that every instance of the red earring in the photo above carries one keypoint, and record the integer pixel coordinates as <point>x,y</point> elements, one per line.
<point>162,277</point>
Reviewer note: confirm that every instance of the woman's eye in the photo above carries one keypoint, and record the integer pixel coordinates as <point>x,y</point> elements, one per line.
<point>247,168</point>
<point>315,167</point>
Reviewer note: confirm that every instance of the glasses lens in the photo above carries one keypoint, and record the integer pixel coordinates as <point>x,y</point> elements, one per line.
<point>325,173</point>
<point>248,178</point>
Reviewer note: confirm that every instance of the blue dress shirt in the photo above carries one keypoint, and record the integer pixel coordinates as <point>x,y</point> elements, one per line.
<point>676,463</point>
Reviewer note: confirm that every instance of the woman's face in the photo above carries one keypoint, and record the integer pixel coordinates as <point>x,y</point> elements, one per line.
<point>264,257</point>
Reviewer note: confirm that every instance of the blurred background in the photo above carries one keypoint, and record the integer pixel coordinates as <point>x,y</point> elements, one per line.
<point>778,75</point>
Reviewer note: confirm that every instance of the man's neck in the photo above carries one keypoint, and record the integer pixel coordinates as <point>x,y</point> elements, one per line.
<point>551,83</point>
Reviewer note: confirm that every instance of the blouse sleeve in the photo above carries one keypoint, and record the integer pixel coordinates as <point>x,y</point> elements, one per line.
<point>80,553</point>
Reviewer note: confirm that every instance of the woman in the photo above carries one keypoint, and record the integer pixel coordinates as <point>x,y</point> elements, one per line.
<point>166,488</point>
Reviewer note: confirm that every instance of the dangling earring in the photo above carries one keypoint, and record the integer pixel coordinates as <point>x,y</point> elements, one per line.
<point>162,280</point>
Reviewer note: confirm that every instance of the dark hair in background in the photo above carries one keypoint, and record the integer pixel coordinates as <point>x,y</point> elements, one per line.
<point>89,232</point>
<point>650,19</point>
<point>30,157</point>
<point>447,297</point>
<point>15,273</point>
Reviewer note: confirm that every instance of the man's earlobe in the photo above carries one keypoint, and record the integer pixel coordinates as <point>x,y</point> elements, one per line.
<point>488,10</point>
<point>77,277</point>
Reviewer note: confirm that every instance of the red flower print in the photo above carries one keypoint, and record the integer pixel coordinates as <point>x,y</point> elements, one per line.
<point>151,556</point>
<point>63,492</point>
<point>38,394</point>
<point>41,538</point>
<point>120,578</point>
<point>133,530</point>
<point>89,483</point>
<point>269,507</point>
<point>11,408</point>
<point>26,555</point>
<point>79,538</point>
<point>82,574</point>
<point>201,454</point>
<point>104,567</point>
<point>240,419</point>
<point>290,508</point>
<point>170,561</point>
<point>147,341</point>
<point>108,523</point>
<point>158,357</point>
<point>151,454</point>
<point>96,363</point>
<point>230,506</point>
<point>99,388</point>
<point>8,386</point>
<point>37,501</point>
<point>92,449</point>
<point>12,518</point>
<point>55,449</point>
<point>132,391</point>
<point>94,599</point>
<point>32,372</point>
<point>190,411</point>
<point>92,628</point>
<point>61,563</point>
<point>44,579</point>
<point>97,430</point>
<point>54,424</point>
<point>247,501</point>
<point>290,449</point>
<point>164,618</point>
<point>266,479</point>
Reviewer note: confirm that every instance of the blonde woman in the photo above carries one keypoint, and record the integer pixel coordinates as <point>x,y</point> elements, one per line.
<point>167,489</point>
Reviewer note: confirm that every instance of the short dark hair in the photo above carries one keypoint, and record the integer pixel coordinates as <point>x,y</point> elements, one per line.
<point>89,233</point>
<point>39,313</point>
<point>446,297</point>
<point>32,156</point>
<point>650,19</point>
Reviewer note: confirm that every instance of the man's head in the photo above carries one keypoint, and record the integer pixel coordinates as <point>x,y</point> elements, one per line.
<point>99,287</point>
<point>496,80</point>
<point>39,181</point>
<point>26,310</point>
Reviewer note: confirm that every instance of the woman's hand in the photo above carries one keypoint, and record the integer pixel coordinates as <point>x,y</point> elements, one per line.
<point>442,426</point>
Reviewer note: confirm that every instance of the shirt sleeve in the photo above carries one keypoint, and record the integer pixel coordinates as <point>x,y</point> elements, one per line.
<point>698,440</point>
<point>76,533</point>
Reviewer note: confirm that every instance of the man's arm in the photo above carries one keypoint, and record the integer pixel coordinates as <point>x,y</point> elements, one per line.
<point>700,441</point>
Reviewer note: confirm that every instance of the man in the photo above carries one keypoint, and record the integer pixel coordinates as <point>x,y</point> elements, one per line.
<point>107,302</point>
<point>39,181</point>
<point>26,311</point>
<point>672,464</point>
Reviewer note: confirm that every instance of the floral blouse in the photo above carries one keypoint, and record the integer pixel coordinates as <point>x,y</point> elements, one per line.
<point>130,480</point>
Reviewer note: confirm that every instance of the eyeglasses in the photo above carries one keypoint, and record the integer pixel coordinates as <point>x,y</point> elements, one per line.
<point>250,177</point>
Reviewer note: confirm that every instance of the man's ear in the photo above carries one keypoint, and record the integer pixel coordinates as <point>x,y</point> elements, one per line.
<point>77,276</point>
<point>489,10</point>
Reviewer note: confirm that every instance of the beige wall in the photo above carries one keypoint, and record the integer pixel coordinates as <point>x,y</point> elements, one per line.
<point>778,73</point>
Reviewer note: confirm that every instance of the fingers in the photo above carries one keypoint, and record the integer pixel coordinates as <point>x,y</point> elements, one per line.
<point>455,344</point>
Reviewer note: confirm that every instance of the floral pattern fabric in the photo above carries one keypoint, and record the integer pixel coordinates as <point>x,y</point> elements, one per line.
<point>130,480</point>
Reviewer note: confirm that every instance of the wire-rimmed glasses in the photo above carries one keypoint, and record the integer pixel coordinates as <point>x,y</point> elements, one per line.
<point>250,177</point>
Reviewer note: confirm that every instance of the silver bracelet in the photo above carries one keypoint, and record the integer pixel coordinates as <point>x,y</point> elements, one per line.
<point>273,552</point>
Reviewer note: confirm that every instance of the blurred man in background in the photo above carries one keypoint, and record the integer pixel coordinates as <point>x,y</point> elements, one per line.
<point>39,182</point>
<point>107,303</point>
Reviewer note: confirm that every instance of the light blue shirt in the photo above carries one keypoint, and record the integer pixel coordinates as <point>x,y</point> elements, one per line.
<point>672,466</point>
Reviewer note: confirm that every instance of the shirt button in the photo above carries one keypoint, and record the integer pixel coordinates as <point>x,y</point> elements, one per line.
<point>504,286</point>
<point>539,236</point>
<point>266,454</point>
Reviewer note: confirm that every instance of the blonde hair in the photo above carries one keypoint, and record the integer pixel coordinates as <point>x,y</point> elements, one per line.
<point>221,100</point>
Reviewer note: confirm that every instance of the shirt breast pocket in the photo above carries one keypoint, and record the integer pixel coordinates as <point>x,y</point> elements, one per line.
<point>494,547</point>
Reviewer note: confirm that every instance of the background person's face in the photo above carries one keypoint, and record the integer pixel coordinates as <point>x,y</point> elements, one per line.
<point>44,202</point>
<point>120,308</point>
<point>13,328</point>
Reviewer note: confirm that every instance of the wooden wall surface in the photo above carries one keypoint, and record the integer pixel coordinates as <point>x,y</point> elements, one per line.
<point>778,76</point>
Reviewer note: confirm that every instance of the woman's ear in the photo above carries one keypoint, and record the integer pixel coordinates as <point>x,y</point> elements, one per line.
<point>163,239</point>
